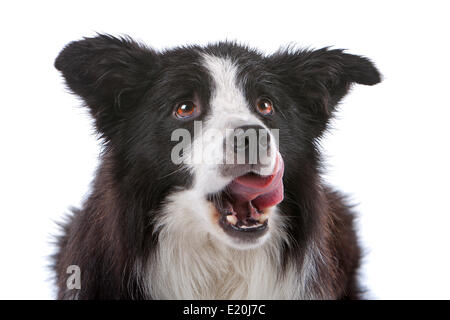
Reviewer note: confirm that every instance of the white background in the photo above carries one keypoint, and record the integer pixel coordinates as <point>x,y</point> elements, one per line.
<point>389,148</point>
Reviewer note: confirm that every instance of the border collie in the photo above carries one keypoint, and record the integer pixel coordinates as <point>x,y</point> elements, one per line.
<point>173,213</point>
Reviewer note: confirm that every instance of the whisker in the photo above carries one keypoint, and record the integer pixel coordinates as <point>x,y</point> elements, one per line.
<point>173,172</point>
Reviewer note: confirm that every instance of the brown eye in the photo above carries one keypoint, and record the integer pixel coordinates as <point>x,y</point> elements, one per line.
<point>264,106</point>
<point>186,109</point>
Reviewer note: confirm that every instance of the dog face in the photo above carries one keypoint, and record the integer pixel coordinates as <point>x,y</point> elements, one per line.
<point>203,137</point>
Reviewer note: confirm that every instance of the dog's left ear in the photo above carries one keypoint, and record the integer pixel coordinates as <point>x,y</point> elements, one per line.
<point>321,78</point>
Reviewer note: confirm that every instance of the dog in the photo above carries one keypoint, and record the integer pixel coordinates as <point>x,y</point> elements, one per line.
<point>173,213</point>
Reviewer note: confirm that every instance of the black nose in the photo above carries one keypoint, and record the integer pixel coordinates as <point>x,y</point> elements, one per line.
<point>246,149</point>
<point>248,141</point>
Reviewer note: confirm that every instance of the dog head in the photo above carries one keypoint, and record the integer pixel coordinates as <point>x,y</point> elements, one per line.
<point>204,137</point>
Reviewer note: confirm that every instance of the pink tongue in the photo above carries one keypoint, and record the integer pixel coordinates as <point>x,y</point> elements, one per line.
<point>262,192</point>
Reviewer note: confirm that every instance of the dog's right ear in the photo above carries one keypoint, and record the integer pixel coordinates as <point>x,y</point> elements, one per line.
<point>109,73</point>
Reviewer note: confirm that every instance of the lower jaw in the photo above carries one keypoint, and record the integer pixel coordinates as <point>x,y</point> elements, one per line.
<point>243,234</point>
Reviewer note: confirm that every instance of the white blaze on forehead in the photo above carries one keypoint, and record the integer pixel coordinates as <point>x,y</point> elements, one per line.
<point>228,99</point>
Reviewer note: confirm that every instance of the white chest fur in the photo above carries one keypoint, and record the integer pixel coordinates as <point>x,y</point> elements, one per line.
<point>210,271</point>
<point>190,263</point>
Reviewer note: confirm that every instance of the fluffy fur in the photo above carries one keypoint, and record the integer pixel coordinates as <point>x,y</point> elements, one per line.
<point>147,230</point>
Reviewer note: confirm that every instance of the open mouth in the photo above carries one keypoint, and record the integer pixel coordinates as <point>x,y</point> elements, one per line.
<point>243,205</point>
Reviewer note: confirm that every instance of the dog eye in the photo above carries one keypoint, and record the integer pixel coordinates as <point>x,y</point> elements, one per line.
<point>186,109</point>
<point>264,106</point>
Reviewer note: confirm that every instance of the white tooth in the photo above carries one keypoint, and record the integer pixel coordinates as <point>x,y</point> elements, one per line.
<point>251,227</point>
<point>231,219</point>
<point>263,217</point>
